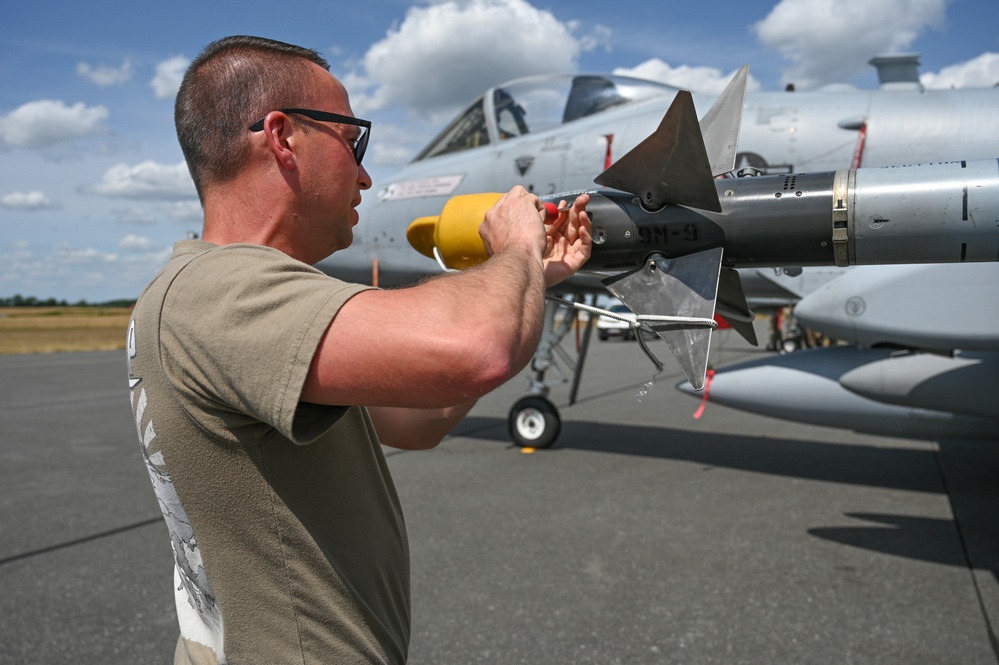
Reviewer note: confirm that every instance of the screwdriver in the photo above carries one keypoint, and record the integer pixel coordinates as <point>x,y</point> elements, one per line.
<point>552,211</point>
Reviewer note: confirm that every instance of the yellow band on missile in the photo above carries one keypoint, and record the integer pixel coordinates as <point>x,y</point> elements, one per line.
<point>455,233</point>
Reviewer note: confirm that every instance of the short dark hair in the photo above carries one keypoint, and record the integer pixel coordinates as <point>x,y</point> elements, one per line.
<point>233,82</point>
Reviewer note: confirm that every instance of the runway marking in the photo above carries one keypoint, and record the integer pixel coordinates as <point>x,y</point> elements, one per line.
<point>79,541</point>
<point>58,359</point>
<point>116,396</point>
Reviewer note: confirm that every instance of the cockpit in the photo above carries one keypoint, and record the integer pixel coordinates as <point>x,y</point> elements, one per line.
<point>537,104</point>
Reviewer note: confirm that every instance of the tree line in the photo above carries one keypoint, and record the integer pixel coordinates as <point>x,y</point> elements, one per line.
<point>17,300</point>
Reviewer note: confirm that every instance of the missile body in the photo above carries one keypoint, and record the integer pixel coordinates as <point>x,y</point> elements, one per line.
<point>865,390</point>
<point>677,261</point>
<point>966,383</point>
<point>936,307</point>
<point>951,391</point>
<point>933,213</point>
<point>924,213</point>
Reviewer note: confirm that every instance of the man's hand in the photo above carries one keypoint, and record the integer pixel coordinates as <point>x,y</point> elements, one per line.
<point>569,241</point>
<point>516,219</point>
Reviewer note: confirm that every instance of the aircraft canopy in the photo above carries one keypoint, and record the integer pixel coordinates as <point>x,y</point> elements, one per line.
<point>538,104</point>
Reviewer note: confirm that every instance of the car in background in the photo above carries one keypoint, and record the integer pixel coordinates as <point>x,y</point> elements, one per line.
<point>608,327</point>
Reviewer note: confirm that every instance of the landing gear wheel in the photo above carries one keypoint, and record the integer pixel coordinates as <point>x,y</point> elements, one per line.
<point>790,345</point>
<point>534,422</point>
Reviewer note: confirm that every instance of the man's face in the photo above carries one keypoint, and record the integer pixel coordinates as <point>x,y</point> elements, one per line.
<point>331,179</point>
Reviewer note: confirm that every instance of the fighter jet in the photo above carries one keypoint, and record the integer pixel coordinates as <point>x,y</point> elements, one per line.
<point>662,201</point>
<point>672,265</point>
<point>554,134</point>
<point>919,356</point>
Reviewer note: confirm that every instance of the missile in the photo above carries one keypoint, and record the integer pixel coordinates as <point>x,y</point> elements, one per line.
<point>965,383</point>
<point>872,391</point>
<point>935,307</point>
<point>925,213</point>
<point>921,213</point>
<point>946,388</point>
<point>672,232</point>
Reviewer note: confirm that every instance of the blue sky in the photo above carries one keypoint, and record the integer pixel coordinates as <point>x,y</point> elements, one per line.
<point>93,191</point>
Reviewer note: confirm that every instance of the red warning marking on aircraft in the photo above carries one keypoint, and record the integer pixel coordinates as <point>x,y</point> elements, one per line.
<point>704,399</point>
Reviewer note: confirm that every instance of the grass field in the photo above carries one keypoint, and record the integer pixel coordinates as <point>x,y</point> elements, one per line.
<point>52,329</point>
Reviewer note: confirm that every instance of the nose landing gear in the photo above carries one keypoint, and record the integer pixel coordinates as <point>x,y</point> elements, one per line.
<point>534,422</point>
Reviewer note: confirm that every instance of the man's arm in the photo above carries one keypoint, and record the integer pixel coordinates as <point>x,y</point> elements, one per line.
<point>416,429</point>
<point>451,339</point>
<point>446,340</point>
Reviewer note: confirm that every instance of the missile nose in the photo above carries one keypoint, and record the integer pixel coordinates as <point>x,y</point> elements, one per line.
<point>834,309</point>
<point>420,235</point>
<point>818,308</point>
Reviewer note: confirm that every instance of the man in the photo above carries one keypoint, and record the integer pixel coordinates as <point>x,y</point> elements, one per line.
<point>261,387</point>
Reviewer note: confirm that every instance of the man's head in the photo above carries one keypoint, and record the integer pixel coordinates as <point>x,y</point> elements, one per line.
<point>233,82</point>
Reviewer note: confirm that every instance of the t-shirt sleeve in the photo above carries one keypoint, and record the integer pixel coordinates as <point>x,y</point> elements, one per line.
<point>240,326</point>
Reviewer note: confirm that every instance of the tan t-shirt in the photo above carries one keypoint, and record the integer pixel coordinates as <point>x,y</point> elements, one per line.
<point>287,533</point>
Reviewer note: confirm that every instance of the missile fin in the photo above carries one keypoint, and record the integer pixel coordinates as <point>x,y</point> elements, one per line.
<point>685,288</point>
<point>733,306</point>
<point>670,166</point>
<point>720,126</point>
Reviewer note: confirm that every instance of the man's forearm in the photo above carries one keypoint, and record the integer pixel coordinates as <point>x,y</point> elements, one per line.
<point>515,286</point>
<point>416,429</point>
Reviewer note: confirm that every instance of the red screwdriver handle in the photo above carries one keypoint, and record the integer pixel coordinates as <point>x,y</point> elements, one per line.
<point>552,211</point>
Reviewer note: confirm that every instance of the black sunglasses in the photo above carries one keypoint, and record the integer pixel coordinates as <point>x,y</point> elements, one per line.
<point>360,143</point>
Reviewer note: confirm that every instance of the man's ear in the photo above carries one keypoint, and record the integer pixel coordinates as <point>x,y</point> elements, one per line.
<point>281,133</point>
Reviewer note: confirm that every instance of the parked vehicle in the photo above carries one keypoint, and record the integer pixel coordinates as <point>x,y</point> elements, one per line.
<point>610,327</point>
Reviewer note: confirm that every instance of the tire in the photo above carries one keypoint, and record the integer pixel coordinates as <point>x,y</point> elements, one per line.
<point>790,345</point>
<point>534,422</point>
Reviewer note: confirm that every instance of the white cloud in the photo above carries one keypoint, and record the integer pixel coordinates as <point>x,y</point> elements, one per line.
<point>134,243</point>
<point>147,180</point>
<point>442,56</point>
<point>390,154</point>
<point>186,211</point>
<point>699,79</point>
<point>33,200</point>
<point>980,72</point>
<point>66,254</point>
<point>169,74</point>
<point>831,40</point>
<point>74,273</point>
<point>395,143</point>
<point>107,75</point>
<point>600,38</point>
<point>48,122</point>
<point>135,217</point>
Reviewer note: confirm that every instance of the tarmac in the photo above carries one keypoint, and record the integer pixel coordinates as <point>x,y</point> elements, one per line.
<point>643,535</point>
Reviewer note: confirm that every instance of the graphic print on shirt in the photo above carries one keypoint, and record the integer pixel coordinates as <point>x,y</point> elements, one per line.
<point>197,612</point>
